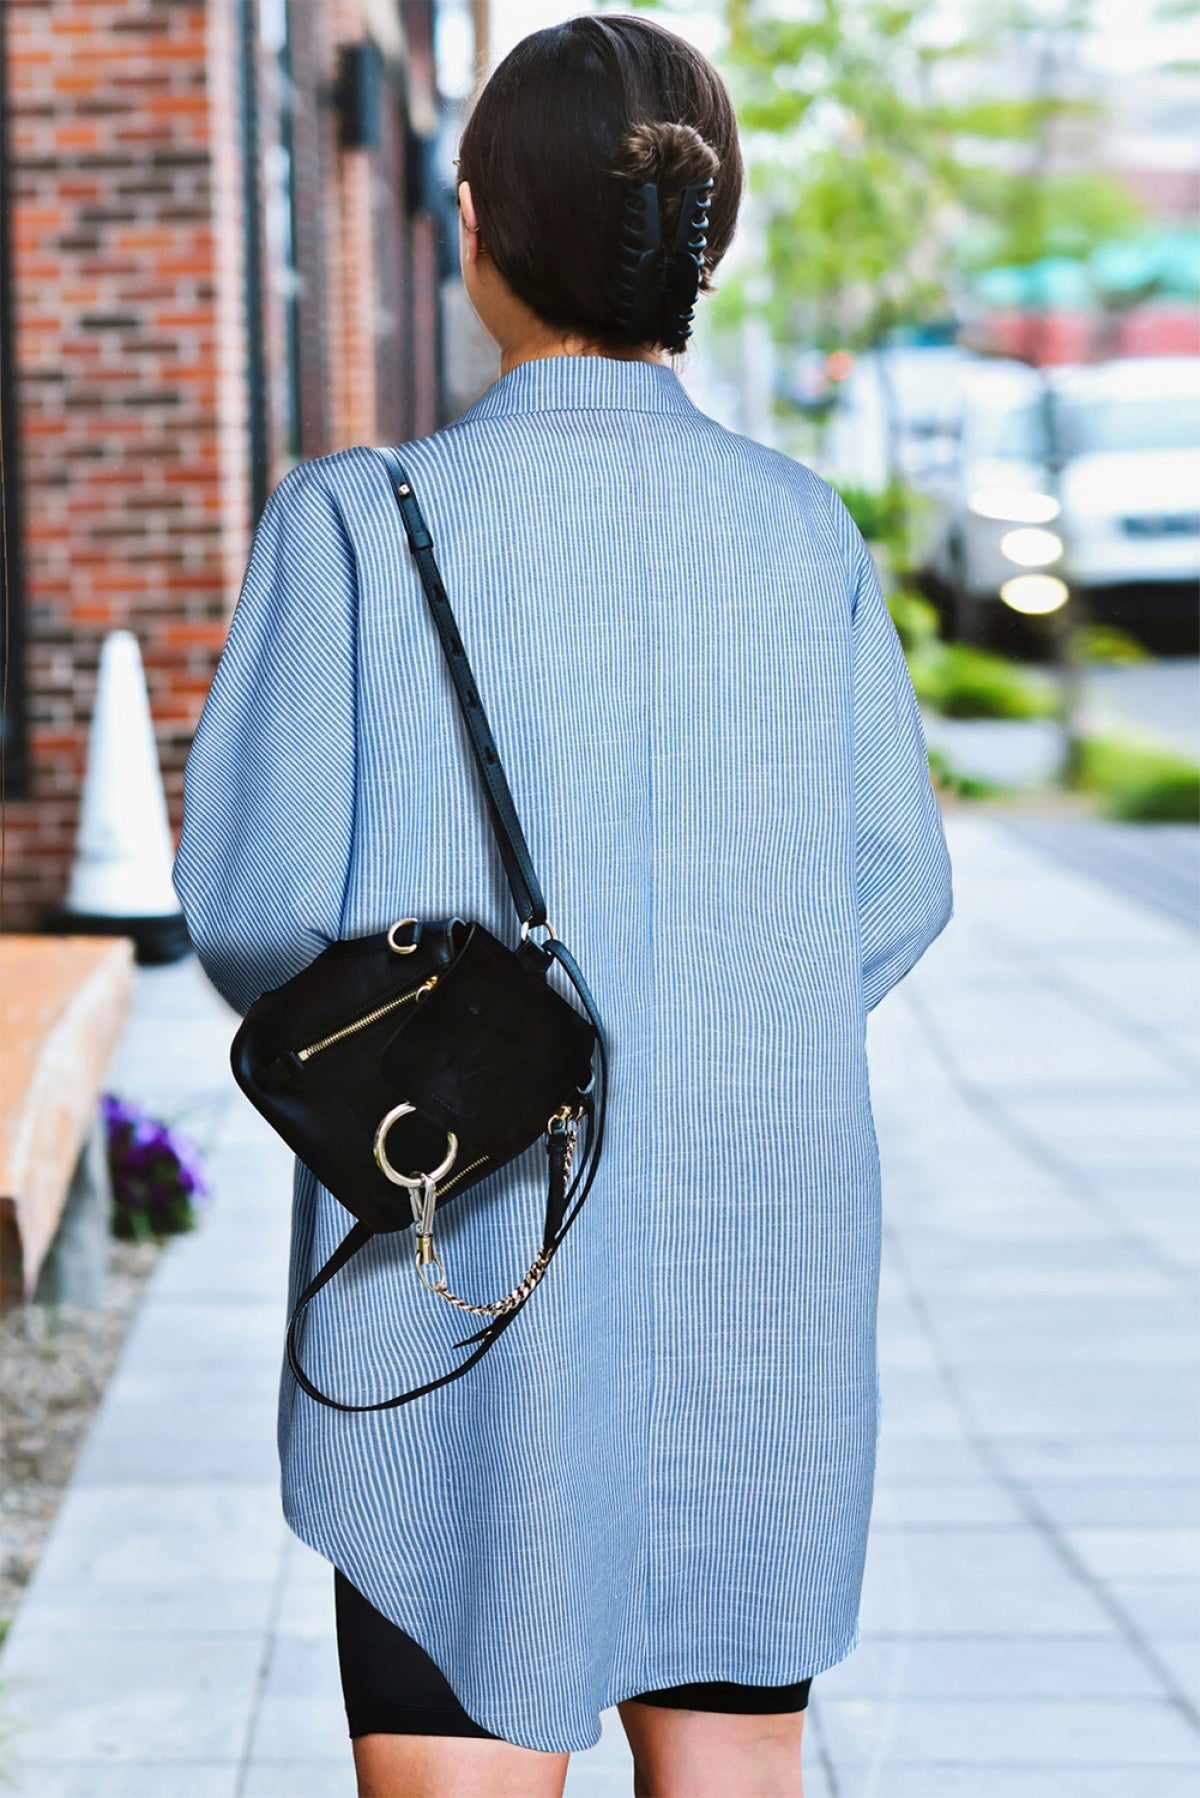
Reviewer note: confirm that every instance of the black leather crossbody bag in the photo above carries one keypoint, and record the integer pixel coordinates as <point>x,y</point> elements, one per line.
<point>405,1067</point>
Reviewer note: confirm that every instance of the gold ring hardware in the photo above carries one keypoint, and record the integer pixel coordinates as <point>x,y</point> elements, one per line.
<point>381,1156</point>
<point>545,925</point>
<point>400,948</point>
<point>427,1257</point>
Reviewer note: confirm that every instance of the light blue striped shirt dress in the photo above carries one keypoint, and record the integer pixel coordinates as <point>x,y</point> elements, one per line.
<point>663,1471</point>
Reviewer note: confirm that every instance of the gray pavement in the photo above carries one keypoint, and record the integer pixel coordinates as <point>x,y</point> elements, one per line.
<point>1033,1584</point>
<point>1157,864</point>
<point>1159,698</point>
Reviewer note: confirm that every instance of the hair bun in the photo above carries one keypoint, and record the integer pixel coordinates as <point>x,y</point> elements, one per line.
<point>672,156</point>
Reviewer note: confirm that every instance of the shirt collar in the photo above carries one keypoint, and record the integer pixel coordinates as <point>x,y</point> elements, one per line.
<point>583,383</point>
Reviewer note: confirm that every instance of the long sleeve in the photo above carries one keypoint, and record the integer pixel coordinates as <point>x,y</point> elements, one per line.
<point>902,867</point>
<point>268,811</point>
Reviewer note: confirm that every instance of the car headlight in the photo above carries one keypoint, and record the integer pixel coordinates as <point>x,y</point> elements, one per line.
<point>1012,505</point>
<point>1030,547</point>
<point>1034,594</point>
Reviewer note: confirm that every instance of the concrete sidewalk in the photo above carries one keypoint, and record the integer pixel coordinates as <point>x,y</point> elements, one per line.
<point>1032,1588</point>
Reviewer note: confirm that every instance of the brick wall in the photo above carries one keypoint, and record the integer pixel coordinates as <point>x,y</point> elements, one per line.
<point>131,343</point>
<point>126,234</point>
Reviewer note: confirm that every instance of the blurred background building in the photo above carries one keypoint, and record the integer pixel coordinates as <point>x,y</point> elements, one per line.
<point>229,246</point>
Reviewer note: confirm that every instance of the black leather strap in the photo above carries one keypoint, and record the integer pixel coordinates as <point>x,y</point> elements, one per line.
<point>561,1212</point>
<point>349,1246</point>
<point>356,1239</point>
<point>597,1111</point>
<point>518,865</point>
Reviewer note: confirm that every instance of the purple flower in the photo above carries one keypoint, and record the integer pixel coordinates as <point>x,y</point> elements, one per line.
<point>158,1178</point>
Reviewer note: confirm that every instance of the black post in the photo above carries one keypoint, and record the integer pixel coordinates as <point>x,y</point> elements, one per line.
<point>14,769</point>
<point>252,288</point>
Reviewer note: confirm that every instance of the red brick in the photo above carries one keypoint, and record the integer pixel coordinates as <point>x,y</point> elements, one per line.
<point>128,205</point>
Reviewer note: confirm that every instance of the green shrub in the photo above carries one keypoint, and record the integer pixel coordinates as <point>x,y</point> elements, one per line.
<point>925,671</point>
<point>881,514</point>
<point>967,786</point>
<point>1139,782</point>
<point>976,684</point>
<point>959,680</point>
<point>916,622</point>
<point>1106,643</point>
<point>963,682</point>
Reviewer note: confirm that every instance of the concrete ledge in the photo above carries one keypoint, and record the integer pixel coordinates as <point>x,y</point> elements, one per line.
<point>65,1002</point>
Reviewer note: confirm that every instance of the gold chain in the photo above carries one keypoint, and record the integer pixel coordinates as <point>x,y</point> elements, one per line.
<point>427,1257</point>
<point>498,1307</point>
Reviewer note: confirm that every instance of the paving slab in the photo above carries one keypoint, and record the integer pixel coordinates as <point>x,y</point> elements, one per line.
<point>930,1668</point>
<point>136,1779</point>
<point>1091,1504</point>
<point>208,1532</point>
<point>1181,1656</point>
<point>967,1581</point>
<point>133,1697</point>
<point>1059,1732</point>
<point>284,1779</point>
<point>1031,1598</point>
<point>949,1779</point>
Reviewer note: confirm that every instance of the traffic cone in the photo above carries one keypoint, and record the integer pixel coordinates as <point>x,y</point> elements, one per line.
<point>121,878</point>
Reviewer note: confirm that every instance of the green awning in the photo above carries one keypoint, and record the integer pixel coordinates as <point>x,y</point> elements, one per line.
<point>1165,265</point>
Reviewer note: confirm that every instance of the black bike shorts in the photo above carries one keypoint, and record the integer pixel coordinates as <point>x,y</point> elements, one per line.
<point>392,1687</point>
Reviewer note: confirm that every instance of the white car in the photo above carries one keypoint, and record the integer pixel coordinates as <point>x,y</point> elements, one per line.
<point>1122,506</point>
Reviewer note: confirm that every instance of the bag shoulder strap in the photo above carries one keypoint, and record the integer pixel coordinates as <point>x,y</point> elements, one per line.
<point>351,1243</point>
<point>518,864</point>
<point>563,1204</point>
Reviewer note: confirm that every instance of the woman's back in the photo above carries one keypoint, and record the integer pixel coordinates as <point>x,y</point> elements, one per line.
<point>714,747</point>
<point>658,614</point>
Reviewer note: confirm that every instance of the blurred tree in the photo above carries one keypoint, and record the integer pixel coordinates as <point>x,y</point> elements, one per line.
<point>894,148</point>
<point>850,171</point>
<point>879,179</point>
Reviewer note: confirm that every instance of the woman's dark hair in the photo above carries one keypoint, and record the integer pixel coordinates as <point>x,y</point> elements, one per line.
<point>571,117</point>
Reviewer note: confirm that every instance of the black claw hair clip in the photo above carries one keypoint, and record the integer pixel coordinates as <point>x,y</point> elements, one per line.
<point>655,289</point>
<point>636,299</point>
<point>685,265</point>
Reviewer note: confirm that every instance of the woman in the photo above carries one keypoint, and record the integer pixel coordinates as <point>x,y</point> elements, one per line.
<point>654,1491</point>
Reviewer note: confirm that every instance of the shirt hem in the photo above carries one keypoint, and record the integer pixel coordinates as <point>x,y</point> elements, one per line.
<point>567,1741</point>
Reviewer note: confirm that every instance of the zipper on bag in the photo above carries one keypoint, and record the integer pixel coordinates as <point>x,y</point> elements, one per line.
<point>368,1018</point>
<point>462,1173</point>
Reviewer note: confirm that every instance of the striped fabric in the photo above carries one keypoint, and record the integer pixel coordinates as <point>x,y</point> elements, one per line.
<point>663,1472</point>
